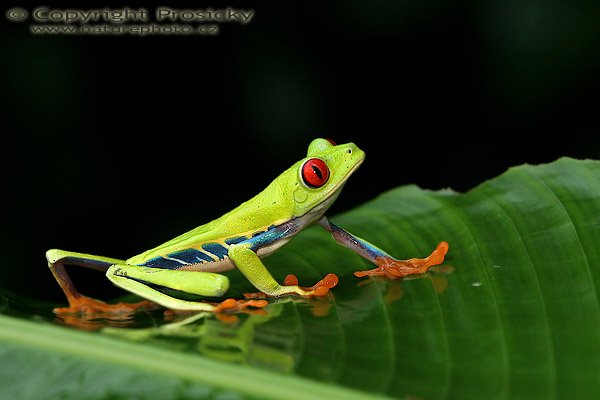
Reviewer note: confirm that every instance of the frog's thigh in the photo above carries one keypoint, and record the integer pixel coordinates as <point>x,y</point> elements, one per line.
<point>135,279</point>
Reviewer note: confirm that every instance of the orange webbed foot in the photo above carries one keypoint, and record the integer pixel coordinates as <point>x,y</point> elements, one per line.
<point>319,289</point>
<point>394,269</point>
<point>84,305</point>
<point>237,305</point>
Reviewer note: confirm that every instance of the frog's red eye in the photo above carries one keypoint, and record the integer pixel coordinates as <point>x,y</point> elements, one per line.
<point>315,173</point>
<point>331,141</point>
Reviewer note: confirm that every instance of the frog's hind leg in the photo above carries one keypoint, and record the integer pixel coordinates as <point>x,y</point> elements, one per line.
<point>139,280</point>
<point>78,303</point>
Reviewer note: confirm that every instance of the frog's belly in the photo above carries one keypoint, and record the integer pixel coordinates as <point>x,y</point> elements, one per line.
<point>224,264</point>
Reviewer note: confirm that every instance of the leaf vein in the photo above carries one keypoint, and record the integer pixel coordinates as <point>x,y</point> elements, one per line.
<point>551,351</point>
<point>503,341</point>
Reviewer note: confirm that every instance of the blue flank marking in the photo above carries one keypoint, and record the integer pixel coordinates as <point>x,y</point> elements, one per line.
<point>217,249</point>
<point>160,262</point>
<point>193,256</point>
<point>190,256</point>
<point>255,234</point>
<point>235,240</point>
<point>266,238</point>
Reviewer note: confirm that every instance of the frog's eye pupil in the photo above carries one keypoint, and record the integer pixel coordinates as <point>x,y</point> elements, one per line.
<point>315,173</point>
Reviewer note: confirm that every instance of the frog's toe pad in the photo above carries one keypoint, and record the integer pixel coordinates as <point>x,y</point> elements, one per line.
<point>290,280</point>
<point>329,282</point>
<point>322,287</point>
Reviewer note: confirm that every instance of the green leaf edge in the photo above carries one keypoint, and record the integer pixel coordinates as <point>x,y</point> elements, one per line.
<point>193,368</point>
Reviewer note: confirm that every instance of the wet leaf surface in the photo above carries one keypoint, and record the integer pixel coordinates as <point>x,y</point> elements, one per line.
<point>512,313</point>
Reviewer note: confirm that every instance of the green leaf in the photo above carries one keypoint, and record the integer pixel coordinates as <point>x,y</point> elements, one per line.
<point>513,312</point>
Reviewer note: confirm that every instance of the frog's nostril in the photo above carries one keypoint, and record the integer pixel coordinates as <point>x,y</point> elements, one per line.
<point>349,151</point>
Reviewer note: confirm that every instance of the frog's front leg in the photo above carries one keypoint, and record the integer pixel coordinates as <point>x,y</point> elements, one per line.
<point>248,262</point>
<point>387,265</point>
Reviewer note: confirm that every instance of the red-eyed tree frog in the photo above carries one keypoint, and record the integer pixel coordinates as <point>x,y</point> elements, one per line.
<point>192,262</point>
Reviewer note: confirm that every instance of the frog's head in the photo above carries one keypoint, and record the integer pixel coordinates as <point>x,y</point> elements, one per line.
<point>320,176</point>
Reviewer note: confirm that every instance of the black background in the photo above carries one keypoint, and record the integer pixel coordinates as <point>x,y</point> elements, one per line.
<point>114,144</point>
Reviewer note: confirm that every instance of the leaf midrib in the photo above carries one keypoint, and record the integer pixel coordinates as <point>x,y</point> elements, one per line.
<point>194,368</point>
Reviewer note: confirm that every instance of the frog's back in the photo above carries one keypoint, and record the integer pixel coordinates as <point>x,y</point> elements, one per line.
<point>210,242</point>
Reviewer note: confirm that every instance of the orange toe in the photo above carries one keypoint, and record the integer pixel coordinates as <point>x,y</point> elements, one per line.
<point>290,280</point>
<point>437,256</point>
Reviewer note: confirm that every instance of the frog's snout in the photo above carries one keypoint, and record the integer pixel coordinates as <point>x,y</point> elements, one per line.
<point>356,154</point>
